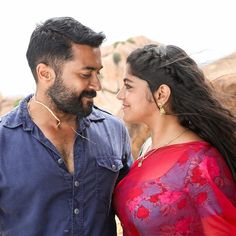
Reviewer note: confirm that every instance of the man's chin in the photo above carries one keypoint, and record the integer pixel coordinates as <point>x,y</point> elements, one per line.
<point>79,110</point>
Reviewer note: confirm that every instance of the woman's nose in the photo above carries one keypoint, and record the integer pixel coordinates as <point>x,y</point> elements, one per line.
<point>120,95</point>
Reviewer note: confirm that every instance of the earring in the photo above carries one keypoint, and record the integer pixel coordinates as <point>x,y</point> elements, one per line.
<point>161,109</point>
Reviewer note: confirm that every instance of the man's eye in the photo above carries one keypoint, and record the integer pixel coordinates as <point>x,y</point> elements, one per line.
<point>86,76</point>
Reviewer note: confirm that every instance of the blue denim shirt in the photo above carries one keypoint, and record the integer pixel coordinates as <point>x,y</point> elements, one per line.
<point>39,197</point>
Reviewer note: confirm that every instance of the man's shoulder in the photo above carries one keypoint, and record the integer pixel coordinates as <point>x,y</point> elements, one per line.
<point>7,117</point>
<point>4,117</point>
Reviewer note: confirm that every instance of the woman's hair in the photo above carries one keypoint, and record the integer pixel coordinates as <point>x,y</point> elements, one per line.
<point>192,99</point>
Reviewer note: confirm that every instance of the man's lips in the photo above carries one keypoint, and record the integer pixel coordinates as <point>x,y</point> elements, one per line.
<point>89,94</point>
<point>89,97</point>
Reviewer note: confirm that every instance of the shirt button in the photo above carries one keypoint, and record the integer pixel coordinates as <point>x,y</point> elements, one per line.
<point>76,183</point>
<point>60,161</point>
<point>76,211</point>
<point>113,167</point>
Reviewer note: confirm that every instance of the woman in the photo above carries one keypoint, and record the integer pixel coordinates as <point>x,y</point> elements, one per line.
<point>185,183</point>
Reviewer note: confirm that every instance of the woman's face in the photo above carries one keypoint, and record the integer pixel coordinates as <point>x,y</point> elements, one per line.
<point>138,102</point>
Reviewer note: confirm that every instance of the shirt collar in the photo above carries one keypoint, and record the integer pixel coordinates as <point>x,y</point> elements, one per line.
<point>95,115</point>
<point>19,116</point>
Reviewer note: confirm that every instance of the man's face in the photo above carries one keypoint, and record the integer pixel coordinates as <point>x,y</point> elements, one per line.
<point>75,87</point>
<point>68,101</point>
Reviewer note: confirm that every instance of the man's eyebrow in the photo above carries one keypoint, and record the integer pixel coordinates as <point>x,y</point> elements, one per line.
<point>91,68</point>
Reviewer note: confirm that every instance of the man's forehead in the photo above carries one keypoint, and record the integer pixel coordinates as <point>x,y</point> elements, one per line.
<point>87,57</point>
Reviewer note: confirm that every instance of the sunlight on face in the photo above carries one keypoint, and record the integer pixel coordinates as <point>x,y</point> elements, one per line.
<point>75,87</point>
<point>68,101</point>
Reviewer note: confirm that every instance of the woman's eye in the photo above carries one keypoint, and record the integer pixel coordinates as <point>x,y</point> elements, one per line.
<point>127,86</point>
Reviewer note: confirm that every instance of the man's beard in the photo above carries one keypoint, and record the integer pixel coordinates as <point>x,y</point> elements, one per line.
<point>67,101</point>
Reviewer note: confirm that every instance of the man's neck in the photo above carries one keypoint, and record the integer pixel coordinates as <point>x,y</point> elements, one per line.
<point>43,112</point>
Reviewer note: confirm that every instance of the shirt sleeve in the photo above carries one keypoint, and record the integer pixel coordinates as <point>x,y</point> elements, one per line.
<point>127,158</point>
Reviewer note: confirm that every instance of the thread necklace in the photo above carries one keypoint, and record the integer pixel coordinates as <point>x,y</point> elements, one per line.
<point>140,163</point>
<point>57,119</point>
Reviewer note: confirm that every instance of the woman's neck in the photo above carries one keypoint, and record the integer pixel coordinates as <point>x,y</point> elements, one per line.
<point>166,131</point>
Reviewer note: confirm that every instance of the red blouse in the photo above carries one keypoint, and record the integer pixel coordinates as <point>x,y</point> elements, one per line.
<point>181,189</point>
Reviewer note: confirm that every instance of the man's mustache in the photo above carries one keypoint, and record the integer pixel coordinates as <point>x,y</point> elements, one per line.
<point>89,94</point>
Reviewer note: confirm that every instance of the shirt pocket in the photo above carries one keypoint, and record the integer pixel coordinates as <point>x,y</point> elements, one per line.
<point>107,171</point>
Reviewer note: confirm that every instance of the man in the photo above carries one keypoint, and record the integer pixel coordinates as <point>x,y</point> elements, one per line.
<point>60,156</point>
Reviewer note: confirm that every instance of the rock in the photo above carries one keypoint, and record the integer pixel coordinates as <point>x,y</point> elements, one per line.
<point>221,73</point>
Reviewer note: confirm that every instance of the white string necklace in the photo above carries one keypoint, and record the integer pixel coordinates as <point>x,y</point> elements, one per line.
<point>140,163</point>
<point>58,120</point>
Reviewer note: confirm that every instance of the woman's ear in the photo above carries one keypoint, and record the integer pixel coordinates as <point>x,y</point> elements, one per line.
<point>162,94</point>
<point>45,73</point>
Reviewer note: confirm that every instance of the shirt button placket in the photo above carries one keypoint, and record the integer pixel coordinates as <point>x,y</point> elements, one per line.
<point>76,211</point>
<point>76,184</point>
<point>60,161</point>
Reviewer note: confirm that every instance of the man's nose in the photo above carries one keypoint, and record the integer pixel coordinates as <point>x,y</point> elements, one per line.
<point>95,83</point>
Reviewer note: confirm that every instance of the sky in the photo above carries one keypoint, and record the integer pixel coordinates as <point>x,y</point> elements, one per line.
<point>205,29</point>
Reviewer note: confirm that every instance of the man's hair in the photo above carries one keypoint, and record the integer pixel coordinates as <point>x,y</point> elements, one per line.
<point>51,42</point>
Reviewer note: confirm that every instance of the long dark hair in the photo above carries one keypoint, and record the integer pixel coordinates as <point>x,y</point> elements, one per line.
<point>192,99</point>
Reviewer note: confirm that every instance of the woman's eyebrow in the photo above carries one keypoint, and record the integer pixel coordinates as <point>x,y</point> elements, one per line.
<point>127,80</point>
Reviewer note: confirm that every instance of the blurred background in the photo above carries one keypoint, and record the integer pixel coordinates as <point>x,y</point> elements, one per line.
<point>205,29</point>
<point>221,73</point>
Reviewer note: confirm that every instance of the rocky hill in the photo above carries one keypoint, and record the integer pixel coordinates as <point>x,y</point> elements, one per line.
<point>221,73</point>
<point>113,59</point>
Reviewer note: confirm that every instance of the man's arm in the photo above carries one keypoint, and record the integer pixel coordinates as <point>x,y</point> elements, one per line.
<point>127,158</point>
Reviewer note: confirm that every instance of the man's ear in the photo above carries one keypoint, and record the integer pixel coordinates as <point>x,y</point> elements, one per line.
<point>45,73</point>
<point>162,94</point>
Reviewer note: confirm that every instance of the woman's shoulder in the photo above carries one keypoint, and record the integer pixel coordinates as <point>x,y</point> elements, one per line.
<point>205,160</point>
